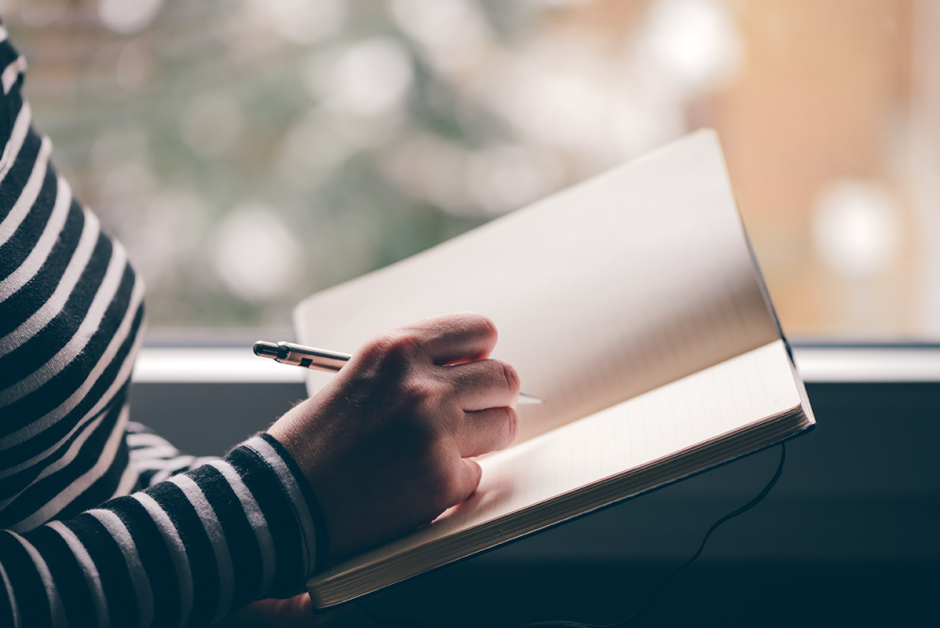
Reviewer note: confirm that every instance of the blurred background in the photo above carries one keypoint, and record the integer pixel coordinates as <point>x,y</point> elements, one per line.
<point>343,135</point>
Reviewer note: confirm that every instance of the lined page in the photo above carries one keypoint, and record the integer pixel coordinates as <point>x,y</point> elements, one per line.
<point>702,406</point>
<point>602,292</point>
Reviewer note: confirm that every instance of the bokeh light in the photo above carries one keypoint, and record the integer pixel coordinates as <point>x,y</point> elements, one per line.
<point>128,16</point>
<point>354,134</point>
<point>857,228</point>
<point>254,252</point>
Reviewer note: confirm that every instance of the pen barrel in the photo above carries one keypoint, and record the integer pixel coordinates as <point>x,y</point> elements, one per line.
<point>308,357</point>
<point>323,360</point>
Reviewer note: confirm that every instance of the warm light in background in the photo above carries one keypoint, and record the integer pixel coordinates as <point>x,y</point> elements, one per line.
<point>252,152</point>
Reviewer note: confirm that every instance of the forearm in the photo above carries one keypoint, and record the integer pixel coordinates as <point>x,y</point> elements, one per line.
<point>184,552</point>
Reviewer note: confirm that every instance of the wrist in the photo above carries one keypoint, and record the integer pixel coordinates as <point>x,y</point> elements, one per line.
<point>292,482</point>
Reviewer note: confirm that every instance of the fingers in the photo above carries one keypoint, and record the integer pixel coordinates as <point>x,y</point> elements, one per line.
<point>455,338</point>
<point>483,384</point>
<point>487,430</point>
<point>485,390</point>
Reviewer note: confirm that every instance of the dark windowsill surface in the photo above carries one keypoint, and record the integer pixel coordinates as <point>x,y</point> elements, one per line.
<point>848,536</point>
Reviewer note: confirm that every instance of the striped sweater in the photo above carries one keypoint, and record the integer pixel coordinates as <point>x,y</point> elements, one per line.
<point>101,522</point>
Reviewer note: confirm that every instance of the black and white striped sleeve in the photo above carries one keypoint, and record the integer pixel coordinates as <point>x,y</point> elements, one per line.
<point>77,546</point>
<point>154,459</point>
<point>184,552</point>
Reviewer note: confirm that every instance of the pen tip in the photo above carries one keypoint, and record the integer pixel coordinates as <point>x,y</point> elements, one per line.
<point>526,398</point>
<point>265,349</point>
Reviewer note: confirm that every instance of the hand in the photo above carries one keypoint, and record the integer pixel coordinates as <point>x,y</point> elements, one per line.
<point>295,612</point>
<point>385,445</point>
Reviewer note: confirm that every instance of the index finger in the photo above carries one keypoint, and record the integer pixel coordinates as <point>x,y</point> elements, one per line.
<point>456,338</point>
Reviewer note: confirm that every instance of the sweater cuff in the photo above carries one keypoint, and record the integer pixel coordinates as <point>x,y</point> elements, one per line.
<point>304,504</point>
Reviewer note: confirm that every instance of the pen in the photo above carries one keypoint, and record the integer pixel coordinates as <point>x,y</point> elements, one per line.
<point>323,360</point>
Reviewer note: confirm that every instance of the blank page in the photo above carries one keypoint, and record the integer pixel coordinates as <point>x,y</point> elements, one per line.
<point>701,407</point>
<point>601,292</point>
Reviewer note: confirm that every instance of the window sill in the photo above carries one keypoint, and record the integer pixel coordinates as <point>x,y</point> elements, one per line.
<point>817,363</point>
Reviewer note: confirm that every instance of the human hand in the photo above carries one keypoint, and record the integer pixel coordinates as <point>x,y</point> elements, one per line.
<point>295,612</point>
<point>385,445</point>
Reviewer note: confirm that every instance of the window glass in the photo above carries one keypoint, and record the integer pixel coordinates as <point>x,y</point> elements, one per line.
<point>251,152</point>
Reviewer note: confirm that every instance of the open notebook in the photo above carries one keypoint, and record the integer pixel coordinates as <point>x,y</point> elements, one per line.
<point>632,305</point>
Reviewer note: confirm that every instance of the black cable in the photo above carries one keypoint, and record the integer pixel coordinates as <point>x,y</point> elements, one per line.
<point>649,600</point>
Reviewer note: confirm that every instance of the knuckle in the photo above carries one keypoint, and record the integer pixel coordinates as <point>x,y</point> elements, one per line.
<point>372,349</point>
<point>423,395</point>
<point>393,348</point>
<point>404,342</point>
<point>512,376</point>
<point>512,424</point>
<point>487,326</point>
<point>503,429</point>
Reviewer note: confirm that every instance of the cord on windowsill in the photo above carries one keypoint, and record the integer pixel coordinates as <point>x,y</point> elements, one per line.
<point>401,623</point>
